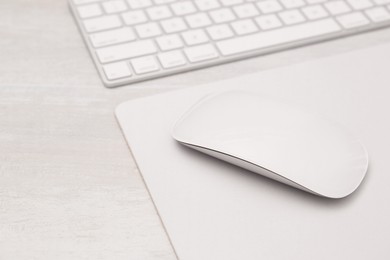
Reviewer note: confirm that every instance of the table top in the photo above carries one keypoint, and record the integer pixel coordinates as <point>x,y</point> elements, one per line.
<point>69,187</point>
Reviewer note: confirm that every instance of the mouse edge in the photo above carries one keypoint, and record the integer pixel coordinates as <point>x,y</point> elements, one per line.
<point>247,165</point>
<point>286,181</point>
<point>279,178</point>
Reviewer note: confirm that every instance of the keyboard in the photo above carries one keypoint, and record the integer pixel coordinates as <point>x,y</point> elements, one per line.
<point>136,40</point>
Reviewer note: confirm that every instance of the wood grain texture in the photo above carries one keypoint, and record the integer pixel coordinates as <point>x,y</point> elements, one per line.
<point>69,188</point>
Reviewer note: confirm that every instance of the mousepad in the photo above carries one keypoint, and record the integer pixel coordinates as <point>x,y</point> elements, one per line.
<point>214,210</point>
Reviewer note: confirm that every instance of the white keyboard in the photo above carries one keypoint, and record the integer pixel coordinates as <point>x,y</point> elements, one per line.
<point>135,40</point>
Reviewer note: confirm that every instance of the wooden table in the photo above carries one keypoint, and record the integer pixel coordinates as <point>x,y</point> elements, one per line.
<point>69,187</point>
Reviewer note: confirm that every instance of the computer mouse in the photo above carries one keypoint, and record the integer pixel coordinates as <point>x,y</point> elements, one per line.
<point>283,142</point>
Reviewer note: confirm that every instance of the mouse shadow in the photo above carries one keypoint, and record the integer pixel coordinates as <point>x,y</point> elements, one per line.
<point>289,192</point>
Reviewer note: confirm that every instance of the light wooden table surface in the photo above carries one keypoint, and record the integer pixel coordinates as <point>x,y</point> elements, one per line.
<point>69,187</point>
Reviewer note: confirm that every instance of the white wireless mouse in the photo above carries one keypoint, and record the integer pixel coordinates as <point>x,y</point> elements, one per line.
<point>280,141</point>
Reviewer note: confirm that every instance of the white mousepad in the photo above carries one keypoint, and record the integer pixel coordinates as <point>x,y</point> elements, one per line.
<point>213,210</point>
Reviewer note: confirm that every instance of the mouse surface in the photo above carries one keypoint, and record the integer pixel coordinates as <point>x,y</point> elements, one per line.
<point>279,141</point>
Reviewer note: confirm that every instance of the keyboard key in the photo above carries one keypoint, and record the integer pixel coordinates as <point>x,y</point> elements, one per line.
<point>201,53</point>
<point>316,1</point>
<point>292,3</point>
<point>378,14</point>
<point>160,2</point>
<point>117,70</point>
<point>135,4</point>
<point>144,65</point>
<point>278,36</point>
<point>121,35</point>
<point>314,12</point>
<point>360,4</point>
<point>246,10</point>
<point>205,5</point>
<point>159,12</point>
<point>267,22</point>
<point>231,2</point>
<point>269,6</point>
<point>292,17</point>
<point>198,20</point>
<point>81,2</point>
<point>172,59</point>
<point>87,11</point>
<point>337,7</point>
<point>134,17</point>
<point>126,51</point>
<point>148,30</point>
<point>222,15</point>
<point>102,23</point>
<point>195,37</point>
<point>174,25</point>
<point>219,32</point>
<point>169,42</point>
<point>183,8</point>
<point>244,27</point>
<point>353,20</point>
<point>114,6</point>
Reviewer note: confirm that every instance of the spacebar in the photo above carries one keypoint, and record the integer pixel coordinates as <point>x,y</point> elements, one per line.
<point>276,37</point>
